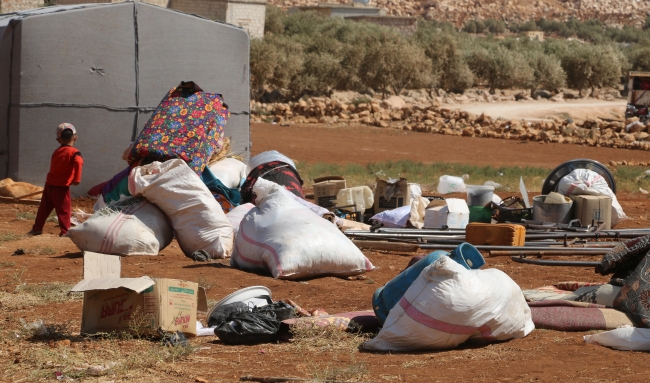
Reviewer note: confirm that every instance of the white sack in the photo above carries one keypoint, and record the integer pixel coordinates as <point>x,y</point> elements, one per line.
<point>198,219</point>
<point>625,338</point>
<point>393,218</point>
<point>289,240</point>
<point>129,227</point>
<point>418,210</point>
<point>588,182</point>
<point>448,305</point>
<point>236,215</point>
<point>229,171</point>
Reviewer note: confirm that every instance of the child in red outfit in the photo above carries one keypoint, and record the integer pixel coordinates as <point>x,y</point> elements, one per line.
<point>65,170</point>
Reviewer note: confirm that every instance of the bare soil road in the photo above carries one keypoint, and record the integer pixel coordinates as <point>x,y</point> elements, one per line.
<point>547,110</point>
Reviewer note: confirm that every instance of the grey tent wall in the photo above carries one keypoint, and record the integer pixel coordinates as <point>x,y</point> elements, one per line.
<point>5,53</point>
<point>213,55</point>
<point>84,72</point>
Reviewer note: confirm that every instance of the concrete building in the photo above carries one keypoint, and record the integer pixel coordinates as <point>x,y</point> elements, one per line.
<point>535,35</point>
<point>10,6</point>
<point>248,14</point>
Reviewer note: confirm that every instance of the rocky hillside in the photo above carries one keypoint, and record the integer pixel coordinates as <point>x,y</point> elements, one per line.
<point>611,12</point>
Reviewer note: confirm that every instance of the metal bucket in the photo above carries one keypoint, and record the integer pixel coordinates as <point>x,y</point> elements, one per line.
<point>551,212</point>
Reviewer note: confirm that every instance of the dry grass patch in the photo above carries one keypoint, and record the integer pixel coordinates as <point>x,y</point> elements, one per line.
<point>36,294</point>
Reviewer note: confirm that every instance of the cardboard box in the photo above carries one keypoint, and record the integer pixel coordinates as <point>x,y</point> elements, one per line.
<point>112,303</point>
<point>596,208</point>
<point>397,192</point>
<point>326,189</point>
<point>451,212</point>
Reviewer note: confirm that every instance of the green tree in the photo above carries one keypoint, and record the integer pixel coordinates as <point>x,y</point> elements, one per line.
<point>274,61</point>
<point>547,71</point>
<point>273,21</point>
<point>392,63</point>
<point>500,68</point>
<point>592,66</point>
<point>640,59</point>
<point>449,70</point>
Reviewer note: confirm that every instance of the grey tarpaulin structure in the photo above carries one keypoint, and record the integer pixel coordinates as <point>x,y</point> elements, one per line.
<point>104,68</point>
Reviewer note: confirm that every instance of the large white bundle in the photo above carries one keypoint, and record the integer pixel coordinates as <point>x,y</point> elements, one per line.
<point>229,171</point>
<point>448,304</point>
<point>236,215</point>
<point>198,219</point>
<point>291,241</point>
<point>625,338</point>
<point>588,182</point>
<point>130,227</point>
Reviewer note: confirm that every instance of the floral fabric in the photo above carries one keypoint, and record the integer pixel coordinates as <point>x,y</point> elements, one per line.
<point>634,296</point>
<point>187,124</point>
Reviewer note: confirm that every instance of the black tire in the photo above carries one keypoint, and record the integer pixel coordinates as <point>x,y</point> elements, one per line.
<point>553,179</point>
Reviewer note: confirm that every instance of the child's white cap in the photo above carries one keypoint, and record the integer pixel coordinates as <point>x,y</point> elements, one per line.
<point>63,127</point>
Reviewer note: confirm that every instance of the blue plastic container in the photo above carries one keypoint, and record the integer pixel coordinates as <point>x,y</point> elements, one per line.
<point>386,297</point>
<point>468,256</point>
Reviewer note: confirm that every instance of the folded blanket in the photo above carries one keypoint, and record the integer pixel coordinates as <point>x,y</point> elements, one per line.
<point>576,316</point>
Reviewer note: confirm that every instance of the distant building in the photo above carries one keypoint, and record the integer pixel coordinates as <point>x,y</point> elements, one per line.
<point>535,35</point>
<point>248,14</point>
<point>10,6</point>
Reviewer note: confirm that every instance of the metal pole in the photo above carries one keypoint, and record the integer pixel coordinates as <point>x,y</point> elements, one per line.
<point>552,252</point>
<point>544,262</point>
<point>595,251</point>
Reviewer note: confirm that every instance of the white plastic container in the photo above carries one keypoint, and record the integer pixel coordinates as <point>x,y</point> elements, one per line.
<point>451,184</point>
<point>479,195</point>
<point>360,196</point>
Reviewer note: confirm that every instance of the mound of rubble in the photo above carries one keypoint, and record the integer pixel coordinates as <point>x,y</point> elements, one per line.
<point>611,12</point>
<point>431,117</point>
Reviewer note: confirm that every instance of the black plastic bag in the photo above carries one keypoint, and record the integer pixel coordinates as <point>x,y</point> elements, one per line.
<point>221,314</point>
<point>249,328</point>
<point>280,310</point>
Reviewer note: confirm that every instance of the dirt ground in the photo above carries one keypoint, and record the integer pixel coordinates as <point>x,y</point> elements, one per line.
<point>545,356</point>
<point>547,110</point>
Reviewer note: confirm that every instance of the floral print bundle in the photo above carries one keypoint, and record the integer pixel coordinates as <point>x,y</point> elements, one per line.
<point>187,124</point>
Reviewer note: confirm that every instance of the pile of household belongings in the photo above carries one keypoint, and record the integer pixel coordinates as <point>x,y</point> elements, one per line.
<point>182,182</point>
<point>621,305</point>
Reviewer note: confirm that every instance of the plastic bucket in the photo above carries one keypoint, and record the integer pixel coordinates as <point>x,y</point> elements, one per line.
<point>480,214</point>
<point>468,256</point>
<point>386,297</point>
<point>551,212</point>
<point>479,195</point>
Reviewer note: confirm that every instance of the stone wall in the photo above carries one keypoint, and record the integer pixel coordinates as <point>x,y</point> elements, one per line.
<point>9,6</point>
